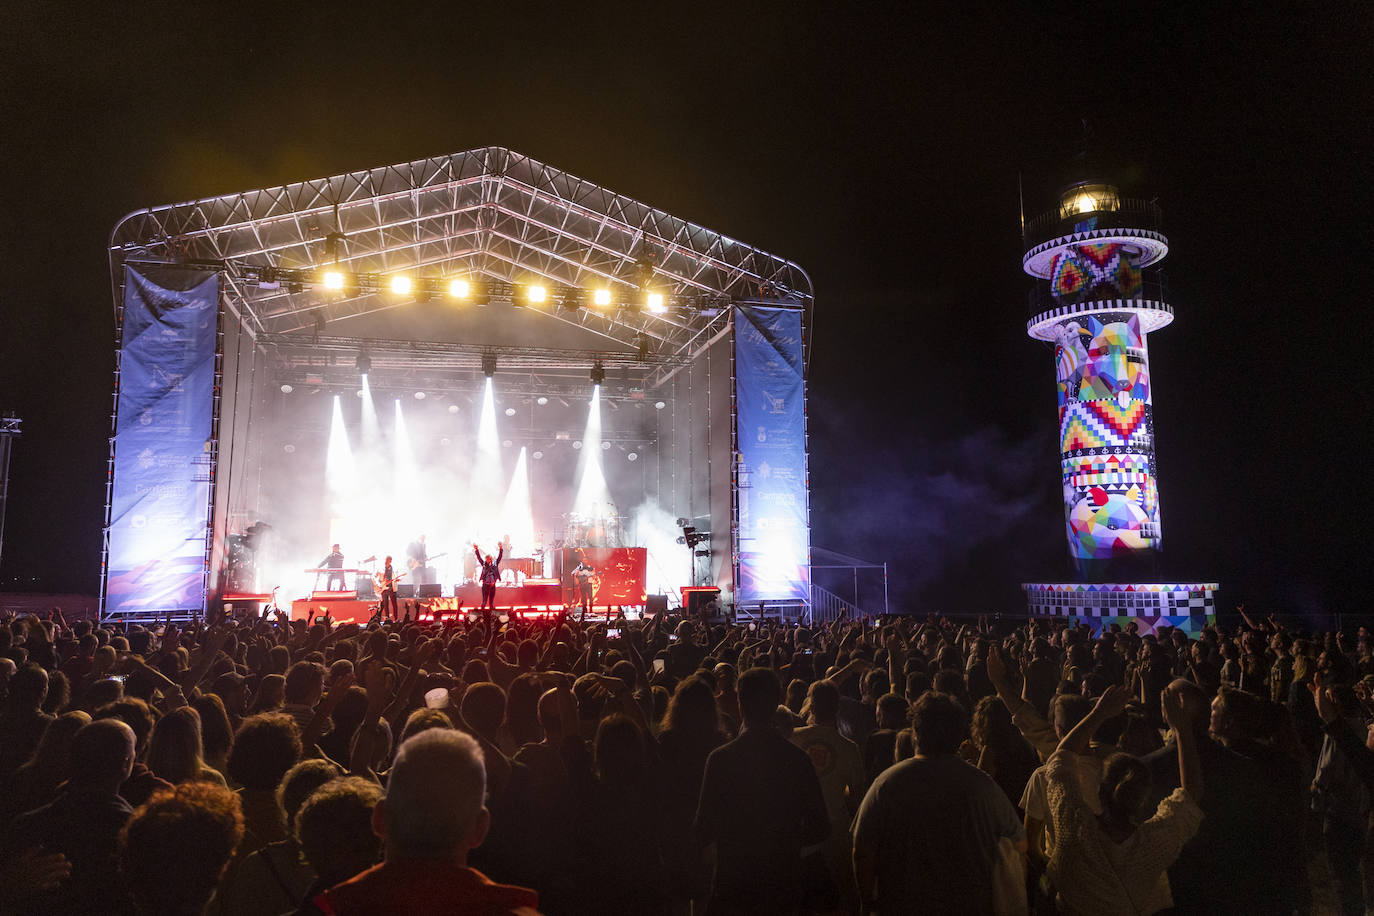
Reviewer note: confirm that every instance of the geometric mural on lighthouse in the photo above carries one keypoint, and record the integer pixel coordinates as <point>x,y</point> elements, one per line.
<point>1106,431</point>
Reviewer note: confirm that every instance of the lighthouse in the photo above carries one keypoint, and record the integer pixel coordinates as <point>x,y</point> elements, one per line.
<point>1098,297</point>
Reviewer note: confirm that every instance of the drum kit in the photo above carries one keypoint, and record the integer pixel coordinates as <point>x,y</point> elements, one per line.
<point>593,530</point>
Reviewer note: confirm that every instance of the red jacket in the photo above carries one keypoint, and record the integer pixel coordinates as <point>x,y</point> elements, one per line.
<point>426,887</point>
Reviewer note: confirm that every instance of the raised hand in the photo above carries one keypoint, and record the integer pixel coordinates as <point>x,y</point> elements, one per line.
<point>997,671</point>
<point>1325,703</point>
<point>1112,702</point>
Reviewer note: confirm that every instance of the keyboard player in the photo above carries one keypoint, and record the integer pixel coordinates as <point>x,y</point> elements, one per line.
<point>336,581</point>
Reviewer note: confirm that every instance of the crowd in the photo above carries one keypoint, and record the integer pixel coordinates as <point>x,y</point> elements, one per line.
<point>679,765</point>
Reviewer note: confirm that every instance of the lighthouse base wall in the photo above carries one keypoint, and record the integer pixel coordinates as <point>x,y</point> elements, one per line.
<point>1187,606</point>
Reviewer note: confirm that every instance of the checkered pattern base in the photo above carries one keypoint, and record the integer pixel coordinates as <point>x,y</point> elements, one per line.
<point>1186,606</point>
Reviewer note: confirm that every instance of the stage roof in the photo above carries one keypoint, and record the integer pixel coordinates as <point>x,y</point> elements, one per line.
<point>491,213</point>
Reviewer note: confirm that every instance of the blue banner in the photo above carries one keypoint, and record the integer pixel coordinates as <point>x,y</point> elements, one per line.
<point>774,534</point>
<point>160,497</point>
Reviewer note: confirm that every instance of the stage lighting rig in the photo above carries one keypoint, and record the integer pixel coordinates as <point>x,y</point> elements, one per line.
<point>488,364</point>
<point>692,537</point>
<point>601,297</point>
<point>459,289</point>
<point>598,373</point>
<point>364,363</point>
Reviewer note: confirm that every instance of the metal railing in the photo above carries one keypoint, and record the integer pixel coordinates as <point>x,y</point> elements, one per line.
<point>1154,287</point>
<point>826,606</point>
<point>1130,213</point>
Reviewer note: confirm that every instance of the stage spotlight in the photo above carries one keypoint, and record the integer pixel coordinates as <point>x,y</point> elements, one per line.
<point>445,440</point>
<point>656,304</point>
<point>541,400</point>
<point>488,364</point>
<point>359,393</point>
<point>537,455</point>
<point>659,405</point>
<point>598,373</point>
<point>333,279</point>
<point>420,395</point>
<point>633,456</point>
<point>364,363</point>
<point>459,289</point>
<point>537,294</point>
<point>506,443</point>
<point>453,408</point>
<point>287,389</point>
<point>400,284</point>
<point>577,443</point>
<point>510,411</point>
<point>602,297</point>
<point>289,448</point>
<point>605,446</point>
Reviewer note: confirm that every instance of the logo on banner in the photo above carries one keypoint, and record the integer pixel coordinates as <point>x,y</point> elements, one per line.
<point>146,458</point>
<point>765,470</point>
<point>776,405</point>
<point>763,435</point>
<point>161,379</point>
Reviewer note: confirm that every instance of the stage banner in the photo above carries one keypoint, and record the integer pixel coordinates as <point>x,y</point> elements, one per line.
<point>617,575</point>
<point>160,495</point>
<point>774,534</point>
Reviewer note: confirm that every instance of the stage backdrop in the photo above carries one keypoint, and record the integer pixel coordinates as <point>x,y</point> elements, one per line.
<point>774,529</point>
<point>163,451</point>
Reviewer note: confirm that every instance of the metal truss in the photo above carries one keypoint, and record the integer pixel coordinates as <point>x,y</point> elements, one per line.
<point>488,213</point>
<point>434,366</point>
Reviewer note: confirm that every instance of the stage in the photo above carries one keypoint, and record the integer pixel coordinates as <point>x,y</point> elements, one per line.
<point>469,349</point>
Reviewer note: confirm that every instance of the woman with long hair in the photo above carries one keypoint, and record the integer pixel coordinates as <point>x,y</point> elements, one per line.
<point>216,733</point>
<point>1002,752</point>
<point>691,731</point>
<point>175,750</point>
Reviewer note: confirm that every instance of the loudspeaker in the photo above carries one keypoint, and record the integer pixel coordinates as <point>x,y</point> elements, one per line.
<point>429,590</point>
<point>698,597</point>
<point>366,592</point>
<point>405,591</point>
<point>656,604</point>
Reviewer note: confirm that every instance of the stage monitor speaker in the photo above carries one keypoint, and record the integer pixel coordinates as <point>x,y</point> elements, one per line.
<point>405,591</point>
<point>699,597</point>
<point>429,590</point>
<point>656,604</point>
<point>365,590</point>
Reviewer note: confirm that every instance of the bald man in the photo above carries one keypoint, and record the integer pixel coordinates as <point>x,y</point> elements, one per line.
<point>432,816</point>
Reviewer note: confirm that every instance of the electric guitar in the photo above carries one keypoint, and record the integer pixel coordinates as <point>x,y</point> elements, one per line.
<point>415,564</point>
<point>382,583</point>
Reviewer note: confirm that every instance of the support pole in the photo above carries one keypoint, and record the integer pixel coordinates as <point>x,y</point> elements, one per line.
<point>9,431</point>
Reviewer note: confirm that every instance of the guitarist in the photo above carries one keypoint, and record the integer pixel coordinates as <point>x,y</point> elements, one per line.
<point>386,584</point>
<point>583,575</point>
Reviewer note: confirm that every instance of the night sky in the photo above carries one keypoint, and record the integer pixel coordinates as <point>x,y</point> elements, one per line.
<point>879,148</point>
